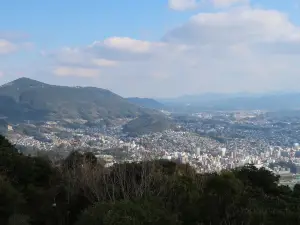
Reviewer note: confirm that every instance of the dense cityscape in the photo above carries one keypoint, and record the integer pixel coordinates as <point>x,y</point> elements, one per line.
<point>208,141</point>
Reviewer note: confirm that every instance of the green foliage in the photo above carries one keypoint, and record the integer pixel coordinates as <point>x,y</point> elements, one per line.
<point>258,178</point>
<point>11,200</point>
<point>26,182</point>
<point>77,159</point>
<point>126,212</point>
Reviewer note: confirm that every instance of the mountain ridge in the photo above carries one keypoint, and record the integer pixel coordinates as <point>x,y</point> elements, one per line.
<point>26,98</point>
<point>146,102</point>
<point>268,101</point>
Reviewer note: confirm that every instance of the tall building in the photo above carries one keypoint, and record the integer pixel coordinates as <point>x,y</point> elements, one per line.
<point>271,150</point>
<point>297,168</point>
<point>9,128</point>
<point>198,151</point>
<point>182,158</point>
<point>278,153</point>
<point>223,152</point>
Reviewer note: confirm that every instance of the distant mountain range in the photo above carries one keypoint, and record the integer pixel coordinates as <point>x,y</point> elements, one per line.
<point>207,97</point>
<point>239,101</point>
<point>27,99</point>
<point>146,103</point>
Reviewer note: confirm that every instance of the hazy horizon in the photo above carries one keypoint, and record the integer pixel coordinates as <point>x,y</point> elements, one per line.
<point>184,96</point>
<point>154,49</point>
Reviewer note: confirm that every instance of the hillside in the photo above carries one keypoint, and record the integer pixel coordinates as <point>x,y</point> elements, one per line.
<point>15,88</point>
<point>147,123</point>
<point>146,102</point>
<point>25,98</point>
<point>3,126</point>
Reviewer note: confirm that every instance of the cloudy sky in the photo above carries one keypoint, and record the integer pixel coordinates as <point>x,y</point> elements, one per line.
<point>153,48</point>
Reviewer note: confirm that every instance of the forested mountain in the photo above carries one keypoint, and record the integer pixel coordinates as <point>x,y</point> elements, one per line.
<point>29,99</point>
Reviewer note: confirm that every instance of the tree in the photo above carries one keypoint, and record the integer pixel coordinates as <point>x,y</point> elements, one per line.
<point>11,200</point>
<point>90,158</point>
<point>258,178</point>
<point>296,190</point>
<point>18,219</point>
<point>126,212</point>
<point>73,160</point>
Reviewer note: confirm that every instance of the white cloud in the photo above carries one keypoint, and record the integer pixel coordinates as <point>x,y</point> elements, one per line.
<point>127,44</point>
<point>13,42</point>
<point>6,47</point>
<point>13,35</point>
<point>183,4</point>
<point>27,45</point>
<point>235,26</point>
<point>68,56</point>
<point>76,72</point>
<point>104,62</point>
<point>242,49</point>
<point>227,3</point>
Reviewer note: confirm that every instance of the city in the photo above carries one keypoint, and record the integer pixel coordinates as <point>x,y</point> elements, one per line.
<point>208,141</point>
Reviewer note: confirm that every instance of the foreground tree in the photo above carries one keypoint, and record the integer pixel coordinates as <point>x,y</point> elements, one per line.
<point>124,212</point>
<point>11,200</point>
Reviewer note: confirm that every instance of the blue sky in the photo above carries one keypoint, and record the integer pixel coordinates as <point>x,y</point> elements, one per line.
<point>154,48</point>
<point>52,24</point>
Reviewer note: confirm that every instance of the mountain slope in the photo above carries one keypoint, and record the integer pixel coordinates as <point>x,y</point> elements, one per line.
<point>3,126</point>
<point>146,124</point>
<point>29,99</point>
<point>146,102</point>
<point>15,88</point>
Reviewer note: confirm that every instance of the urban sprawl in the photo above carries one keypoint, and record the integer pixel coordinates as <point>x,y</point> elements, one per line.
<point>208,141</point>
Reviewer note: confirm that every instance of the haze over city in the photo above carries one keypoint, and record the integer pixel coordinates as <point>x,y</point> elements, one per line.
<point>153,48</point>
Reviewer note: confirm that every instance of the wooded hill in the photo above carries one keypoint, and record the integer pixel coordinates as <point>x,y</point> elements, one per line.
<point>27,99</point>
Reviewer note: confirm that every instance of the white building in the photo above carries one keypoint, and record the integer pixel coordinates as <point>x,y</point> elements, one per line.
<point>223,152</point>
